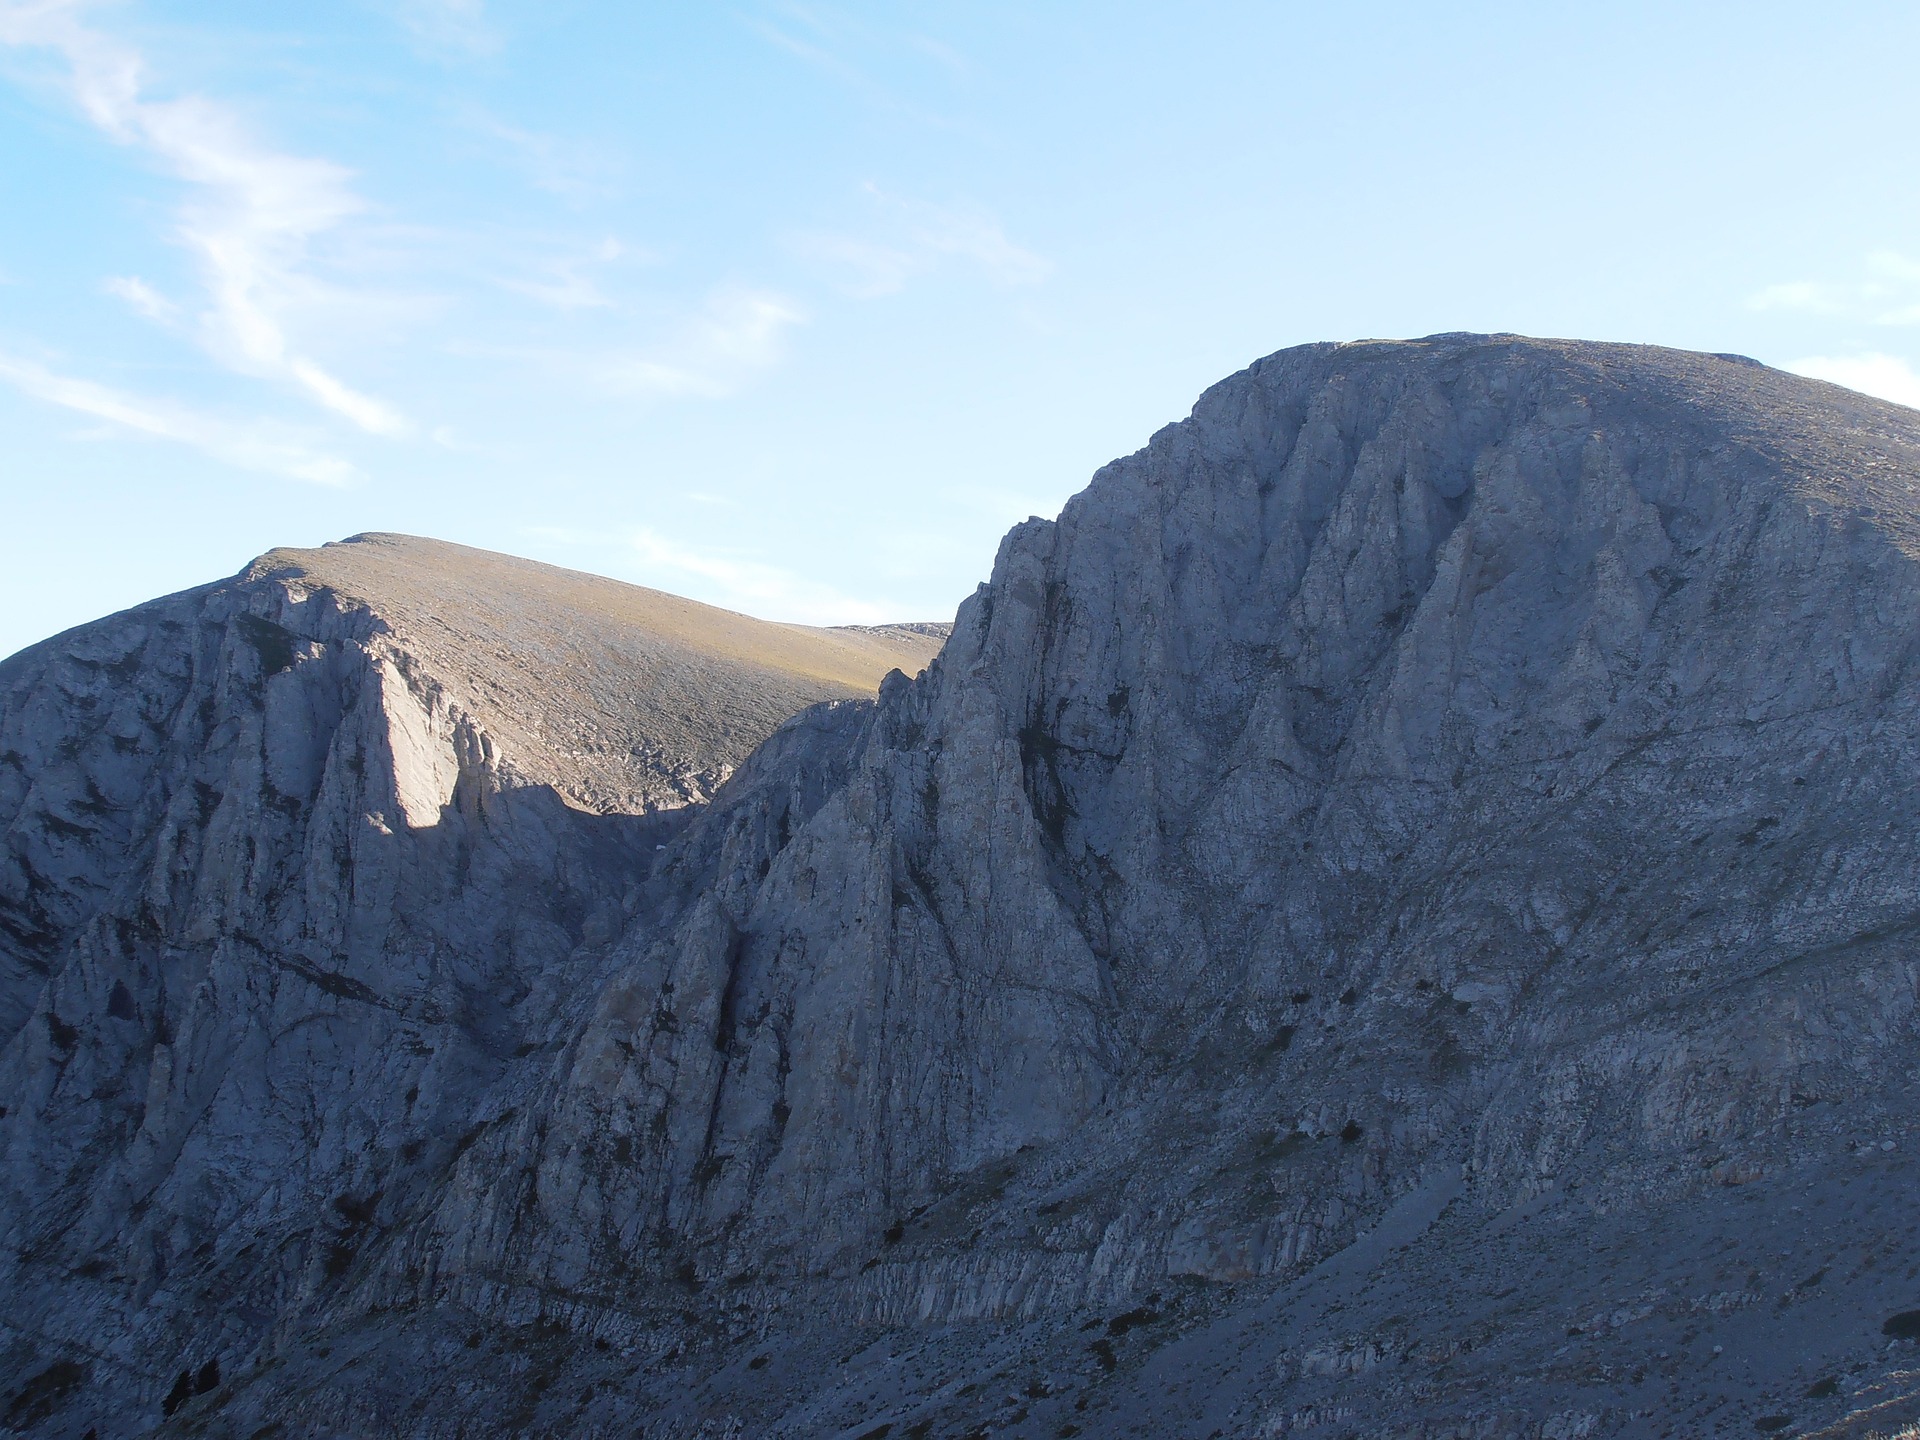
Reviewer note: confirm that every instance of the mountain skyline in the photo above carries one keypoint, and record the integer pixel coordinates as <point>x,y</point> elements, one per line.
<point>1391,917</point>
<point>794,308</point>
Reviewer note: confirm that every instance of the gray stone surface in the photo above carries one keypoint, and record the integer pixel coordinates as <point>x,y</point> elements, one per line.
<point>296,868</point>
<point>1394,916</point>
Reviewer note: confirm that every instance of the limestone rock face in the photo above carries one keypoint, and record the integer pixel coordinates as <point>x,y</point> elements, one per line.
<point>1393,916</point>
<point>295,868</point>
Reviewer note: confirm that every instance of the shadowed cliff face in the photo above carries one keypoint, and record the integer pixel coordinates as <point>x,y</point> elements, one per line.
<point>1462,743</point>
<point>1436,816</point>
<point>297,870</point>
<point>434,663</point>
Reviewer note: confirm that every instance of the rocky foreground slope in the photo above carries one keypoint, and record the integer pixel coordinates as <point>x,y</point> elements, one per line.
<point>1394,916</point>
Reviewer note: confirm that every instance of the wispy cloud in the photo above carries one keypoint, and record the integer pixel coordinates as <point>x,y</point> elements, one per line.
<point>811,51</point>
<point>744,583</point>
<point>251,218</point>
<point>571,169</point>
<point>1886,376</point>
<point>251,447</point>
<point>1804,295</point>
<point>708,356</point>
<point>147,302</point>
<point>459,29</point>
<point>948,58</point>
<point>1886,292</point>
<point>914,237</point>
<point>567,284</point>
<point>827,39</point>
<point>739,332</point>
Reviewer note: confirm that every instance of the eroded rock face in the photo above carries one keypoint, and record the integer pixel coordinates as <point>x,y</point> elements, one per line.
<point>1435,818</point>
<point>288,889</point>
<point>1381,747</point>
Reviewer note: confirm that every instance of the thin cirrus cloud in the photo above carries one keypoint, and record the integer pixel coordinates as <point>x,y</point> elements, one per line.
<point>1808,296</point>
<point>571,169</point>
<point>250,447</point>
<point>826,39</point>
<point>459,29</point>
<point>142,298</point>
<point>737,333</point>
<point>910,238</point>
<point>567,283</point>
<point>252,214</point>
<point>1887,293</point>
<point>709,356</point>
<point>811,52</point>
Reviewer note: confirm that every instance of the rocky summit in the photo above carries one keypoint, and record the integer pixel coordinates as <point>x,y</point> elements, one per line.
<point>1397,915</point>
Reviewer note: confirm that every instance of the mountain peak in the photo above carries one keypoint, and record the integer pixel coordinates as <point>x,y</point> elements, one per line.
<point>1377,913</point>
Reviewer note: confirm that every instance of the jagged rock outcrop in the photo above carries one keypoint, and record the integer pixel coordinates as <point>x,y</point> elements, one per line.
<point>1394,915</point>
<point>440,661</point>
<point>296,866</point>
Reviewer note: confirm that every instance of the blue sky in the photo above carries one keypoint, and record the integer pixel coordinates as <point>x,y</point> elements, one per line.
<point>795,307</point>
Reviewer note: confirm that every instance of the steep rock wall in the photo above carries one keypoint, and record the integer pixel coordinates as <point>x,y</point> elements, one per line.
<point>1457,752</point>
<point>1435,780</point>
<point>280,917</point>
